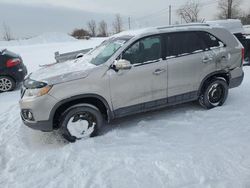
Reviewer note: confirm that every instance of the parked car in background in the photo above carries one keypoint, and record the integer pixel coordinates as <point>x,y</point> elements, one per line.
<point>130,73</point>
<point>240,32</point>
<point>247,29</point>
<point>12,70</point>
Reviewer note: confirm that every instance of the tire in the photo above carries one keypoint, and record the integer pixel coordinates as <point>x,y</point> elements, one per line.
<point>7,84</point>
<point>214,93</point>
<point>80,121</point>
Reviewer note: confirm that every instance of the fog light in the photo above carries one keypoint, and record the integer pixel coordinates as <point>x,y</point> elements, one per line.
<point>30,116</point>
<point>27,114</point>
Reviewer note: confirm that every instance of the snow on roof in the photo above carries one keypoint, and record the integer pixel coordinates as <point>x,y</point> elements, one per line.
<point>134,32</point>
<point>247,29</point>
<point>1,50</point>
<point>233,25</point>
<point>159,29</point>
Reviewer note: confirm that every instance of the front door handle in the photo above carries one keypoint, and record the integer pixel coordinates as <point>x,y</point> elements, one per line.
<point>159,71</point>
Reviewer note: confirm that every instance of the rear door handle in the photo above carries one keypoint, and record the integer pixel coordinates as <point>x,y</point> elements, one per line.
<point>207,59</point>
<point>159,71</point>
<point>223,58</point>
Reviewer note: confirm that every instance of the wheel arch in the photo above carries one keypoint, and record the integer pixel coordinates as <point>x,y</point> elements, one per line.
<point>93,99</point>
<point>10,76</point>
<point>209,77</point>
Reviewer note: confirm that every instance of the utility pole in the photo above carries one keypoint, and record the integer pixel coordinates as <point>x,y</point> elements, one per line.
<point>129,23</point>
<point>170,15</point>
<point>230,3</point>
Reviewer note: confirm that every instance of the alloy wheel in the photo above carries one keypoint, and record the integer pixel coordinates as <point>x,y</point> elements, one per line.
<point>5,84</point>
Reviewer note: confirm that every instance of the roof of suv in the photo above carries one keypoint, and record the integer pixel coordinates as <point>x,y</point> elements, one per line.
<point>162,29</point>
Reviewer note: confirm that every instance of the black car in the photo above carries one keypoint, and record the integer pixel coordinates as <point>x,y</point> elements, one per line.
<point>246,43</point>
<point>12,70</point>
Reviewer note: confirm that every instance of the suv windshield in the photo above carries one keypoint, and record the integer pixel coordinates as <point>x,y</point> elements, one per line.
<point>103,52</point>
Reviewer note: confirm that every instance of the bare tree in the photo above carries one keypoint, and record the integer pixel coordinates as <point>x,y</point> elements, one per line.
<point>245,18</point>
<point>6,32</point>
<point>92,27</point>
<point>190,11</point>
<point>103,29</point>
<point>117,24</point>
<point>229,9</point>
<point>79,33</point>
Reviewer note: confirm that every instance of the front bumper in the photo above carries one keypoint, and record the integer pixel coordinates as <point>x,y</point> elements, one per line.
<point>46,126</point>
<point>40,108</point>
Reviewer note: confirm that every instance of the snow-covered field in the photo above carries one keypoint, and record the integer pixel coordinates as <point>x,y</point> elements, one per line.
<point>182,146</point>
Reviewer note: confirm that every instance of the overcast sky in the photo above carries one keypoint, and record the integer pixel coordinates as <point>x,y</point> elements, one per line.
<point>33,17</point>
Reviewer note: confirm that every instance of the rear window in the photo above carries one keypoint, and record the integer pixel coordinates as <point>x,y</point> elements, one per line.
<point>210,40</point>
<point>183,43</point>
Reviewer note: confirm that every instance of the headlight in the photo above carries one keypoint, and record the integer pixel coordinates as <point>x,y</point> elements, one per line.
<point>37,92</point>
<point>33,84</point>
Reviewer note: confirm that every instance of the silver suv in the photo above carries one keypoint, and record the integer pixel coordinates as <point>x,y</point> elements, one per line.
<point>133,72</point>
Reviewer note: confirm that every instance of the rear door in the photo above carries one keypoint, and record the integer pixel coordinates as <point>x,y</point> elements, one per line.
<point>215,51</point>
<point>187,60</point>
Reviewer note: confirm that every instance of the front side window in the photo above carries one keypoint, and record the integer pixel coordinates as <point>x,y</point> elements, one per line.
<point>144,50</point>
<point>182,43</point>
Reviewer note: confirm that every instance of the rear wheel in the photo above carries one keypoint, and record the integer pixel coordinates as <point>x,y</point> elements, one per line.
<point>7,84</point>
<point>81,121</point>
<point>214,93</point>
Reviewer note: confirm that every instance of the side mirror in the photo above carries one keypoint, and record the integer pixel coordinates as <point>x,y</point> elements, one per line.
<point>122,64</point>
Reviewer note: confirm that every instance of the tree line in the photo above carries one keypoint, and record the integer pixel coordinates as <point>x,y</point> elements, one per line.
<point>227,9</point>
<point>101,29</point>
<point>189,12</point>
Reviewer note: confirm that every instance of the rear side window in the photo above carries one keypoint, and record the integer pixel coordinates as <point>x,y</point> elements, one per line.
<point>144,50</point>
<point>210,40</point>
<point>183,43</point>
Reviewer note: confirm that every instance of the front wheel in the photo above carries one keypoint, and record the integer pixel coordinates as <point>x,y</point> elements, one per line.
<point>80,121</point>
<point>214,93</point>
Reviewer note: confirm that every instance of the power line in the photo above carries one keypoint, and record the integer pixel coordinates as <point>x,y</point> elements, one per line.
<point>163,11</point>
<point>151,14</point>
<point>129,23</point>
<point>170,15</point>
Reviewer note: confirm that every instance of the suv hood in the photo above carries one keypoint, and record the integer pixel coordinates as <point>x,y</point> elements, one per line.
<point>63,72</point>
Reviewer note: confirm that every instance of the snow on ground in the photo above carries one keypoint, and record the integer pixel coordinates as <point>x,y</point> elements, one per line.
<point>41,39</point>
<point>44,53</point>
<point>181,146</point>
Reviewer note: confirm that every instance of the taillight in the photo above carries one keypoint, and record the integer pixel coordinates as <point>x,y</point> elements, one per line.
<point>13,62</point>
<point>243,55</point>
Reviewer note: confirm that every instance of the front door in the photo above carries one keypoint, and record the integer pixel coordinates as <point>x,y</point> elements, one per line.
<point>145,84</point>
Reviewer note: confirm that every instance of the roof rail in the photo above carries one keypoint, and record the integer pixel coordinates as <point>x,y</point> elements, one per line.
<point>183,25</point>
